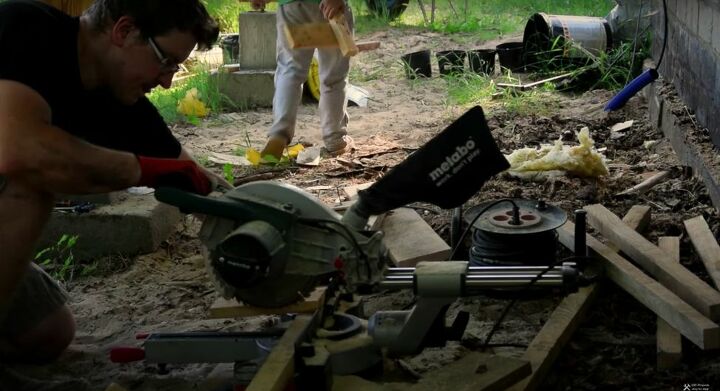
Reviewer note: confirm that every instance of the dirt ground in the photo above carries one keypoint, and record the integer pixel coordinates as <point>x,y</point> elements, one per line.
<point>615,346</point>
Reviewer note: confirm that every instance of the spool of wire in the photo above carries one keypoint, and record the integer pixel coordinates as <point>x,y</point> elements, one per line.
<point>504,236</point>
<point>493,249</point>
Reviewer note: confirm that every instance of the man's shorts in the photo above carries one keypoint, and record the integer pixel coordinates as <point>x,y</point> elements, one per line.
<point>35,298</point>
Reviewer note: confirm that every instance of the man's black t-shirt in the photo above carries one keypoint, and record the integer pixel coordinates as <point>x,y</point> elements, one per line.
<point>38,47</point>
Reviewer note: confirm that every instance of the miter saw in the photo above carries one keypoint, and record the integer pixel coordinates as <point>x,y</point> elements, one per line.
<point>269,244</point>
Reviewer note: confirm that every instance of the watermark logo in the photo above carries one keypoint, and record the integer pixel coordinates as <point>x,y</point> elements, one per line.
<point>696,387</point>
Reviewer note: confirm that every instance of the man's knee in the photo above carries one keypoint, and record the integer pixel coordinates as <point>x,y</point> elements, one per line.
<point>46,341</point>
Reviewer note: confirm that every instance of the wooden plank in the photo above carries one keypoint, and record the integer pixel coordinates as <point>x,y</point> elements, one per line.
<point>310,35</point>
<point>475,372</point>
<point>669,340</point>
<point>638,218</point>
<point>319,35</point>
<point>343,35</point>
<point>224,308</point>
<point>679,280</point>
<point>367,45</point>
<point>279,367</point>
<point>562,323</point>
<point>706,246</point>
<point>409,239</point>
<point>656,297</point>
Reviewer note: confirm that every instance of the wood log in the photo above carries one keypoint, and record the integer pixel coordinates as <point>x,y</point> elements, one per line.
<point>656,262</point>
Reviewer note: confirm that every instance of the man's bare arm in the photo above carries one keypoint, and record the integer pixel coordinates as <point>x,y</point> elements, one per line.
<point>49,158</point>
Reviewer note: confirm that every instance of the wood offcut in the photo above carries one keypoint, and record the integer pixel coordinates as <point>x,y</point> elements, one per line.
<point>409,239</point>
<point>684,283</point>
<point>224,308</point>
<point>656,297</point>
<point>706,246</point>
<point>669,340</point>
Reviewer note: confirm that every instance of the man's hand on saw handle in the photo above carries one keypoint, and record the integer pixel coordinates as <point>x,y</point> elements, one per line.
<point>332,8</point>
<point>181,174</point>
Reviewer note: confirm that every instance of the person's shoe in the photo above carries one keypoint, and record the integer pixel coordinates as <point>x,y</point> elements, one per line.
<point>275,147</point>
<point>349,146</point>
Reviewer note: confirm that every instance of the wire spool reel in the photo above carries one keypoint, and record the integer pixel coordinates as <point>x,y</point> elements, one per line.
<point>498,240</point>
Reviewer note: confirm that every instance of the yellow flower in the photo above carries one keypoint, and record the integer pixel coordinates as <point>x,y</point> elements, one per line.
<point>253,156</point>
<point>294,150</point>
<point>191,105</point>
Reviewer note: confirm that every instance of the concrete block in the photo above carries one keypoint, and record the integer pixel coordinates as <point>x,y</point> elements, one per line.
<point>681,10</point>
<point>705,23</point>
<point>97,199</point>
<point>691,17</point>
<point>686,152</point>
<point>257,40</point>
<point>248,88</point>
<point>136,225</point>
<point>716,30</point>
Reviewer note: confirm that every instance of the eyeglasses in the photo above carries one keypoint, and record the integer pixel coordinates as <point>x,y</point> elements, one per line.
<point>166,65</point>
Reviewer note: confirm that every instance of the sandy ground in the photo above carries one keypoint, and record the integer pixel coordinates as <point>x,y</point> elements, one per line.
<point>169,289</point>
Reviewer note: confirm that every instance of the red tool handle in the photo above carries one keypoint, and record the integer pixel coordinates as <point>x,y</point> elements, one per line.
<point>126,354</point>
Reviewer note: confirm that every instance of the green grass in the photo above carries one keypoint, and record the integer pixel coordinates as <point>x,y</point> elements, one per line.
<point>226,12</point>
<point>470,89</point>
<point>166,100</point>
<point>487,18</point>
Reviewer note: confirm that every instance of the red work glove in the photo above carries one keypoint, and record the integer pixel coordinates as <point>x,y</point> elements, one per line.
<point>181,174</point>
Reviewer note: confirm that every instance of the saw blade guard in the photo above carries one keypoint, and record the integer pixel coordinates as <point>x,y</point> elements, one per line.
<point>270,244</point>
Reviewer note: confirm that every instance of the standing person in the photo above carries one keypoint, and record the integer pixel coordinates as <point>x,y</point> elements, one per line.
<point>292,71</point>
<point>74,119</point>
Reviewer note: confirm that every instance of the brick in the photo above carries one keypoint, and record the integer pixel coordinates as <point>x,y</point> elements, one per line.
<point>705,22</point>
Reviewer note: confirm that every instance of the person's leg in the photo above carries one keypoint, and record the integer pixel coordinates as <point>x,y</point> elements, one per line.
<point>35,324</point>
<point>290,74</point>
<point>334,68</point>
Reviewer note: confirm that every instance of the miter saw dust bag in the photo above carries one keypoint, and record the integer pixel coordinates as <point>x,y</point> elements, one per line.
<point>446,171</point>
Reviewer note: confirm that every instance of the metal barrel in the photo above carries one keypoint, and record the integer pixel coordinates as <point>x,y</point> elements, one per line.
<point>565,36</point>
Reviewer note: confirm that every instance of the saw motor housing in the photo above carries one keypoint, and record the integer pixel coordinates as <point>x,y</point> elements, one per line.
<point>285,245</point>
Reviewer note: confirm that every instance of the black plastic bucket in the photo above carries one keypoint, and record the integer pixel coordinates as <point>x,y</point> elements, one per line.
<point>482,61</point>
<point>510,55</point>
<point>230,45</point>
<point>417,64</point>
<point>451,62</point>
<point>564,37</point>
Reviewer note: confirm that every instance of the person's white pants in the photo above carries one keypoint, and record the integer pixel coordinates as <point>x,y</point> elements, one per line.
<point>292,72</point>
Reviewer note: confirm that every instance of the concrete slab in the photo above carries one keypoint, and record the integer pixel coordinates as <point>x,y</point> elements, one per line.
<point>247,89</point>
<point>257,40</point>
<point>135,224</point>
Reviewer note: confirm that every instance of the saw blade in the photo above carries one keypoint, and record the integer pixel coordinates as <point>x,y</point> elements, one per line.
<point>279,293</point>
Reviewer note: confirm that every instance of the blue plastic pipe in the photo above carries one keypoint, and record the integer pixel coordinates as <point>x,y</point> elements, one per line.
<point>631,89</point>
